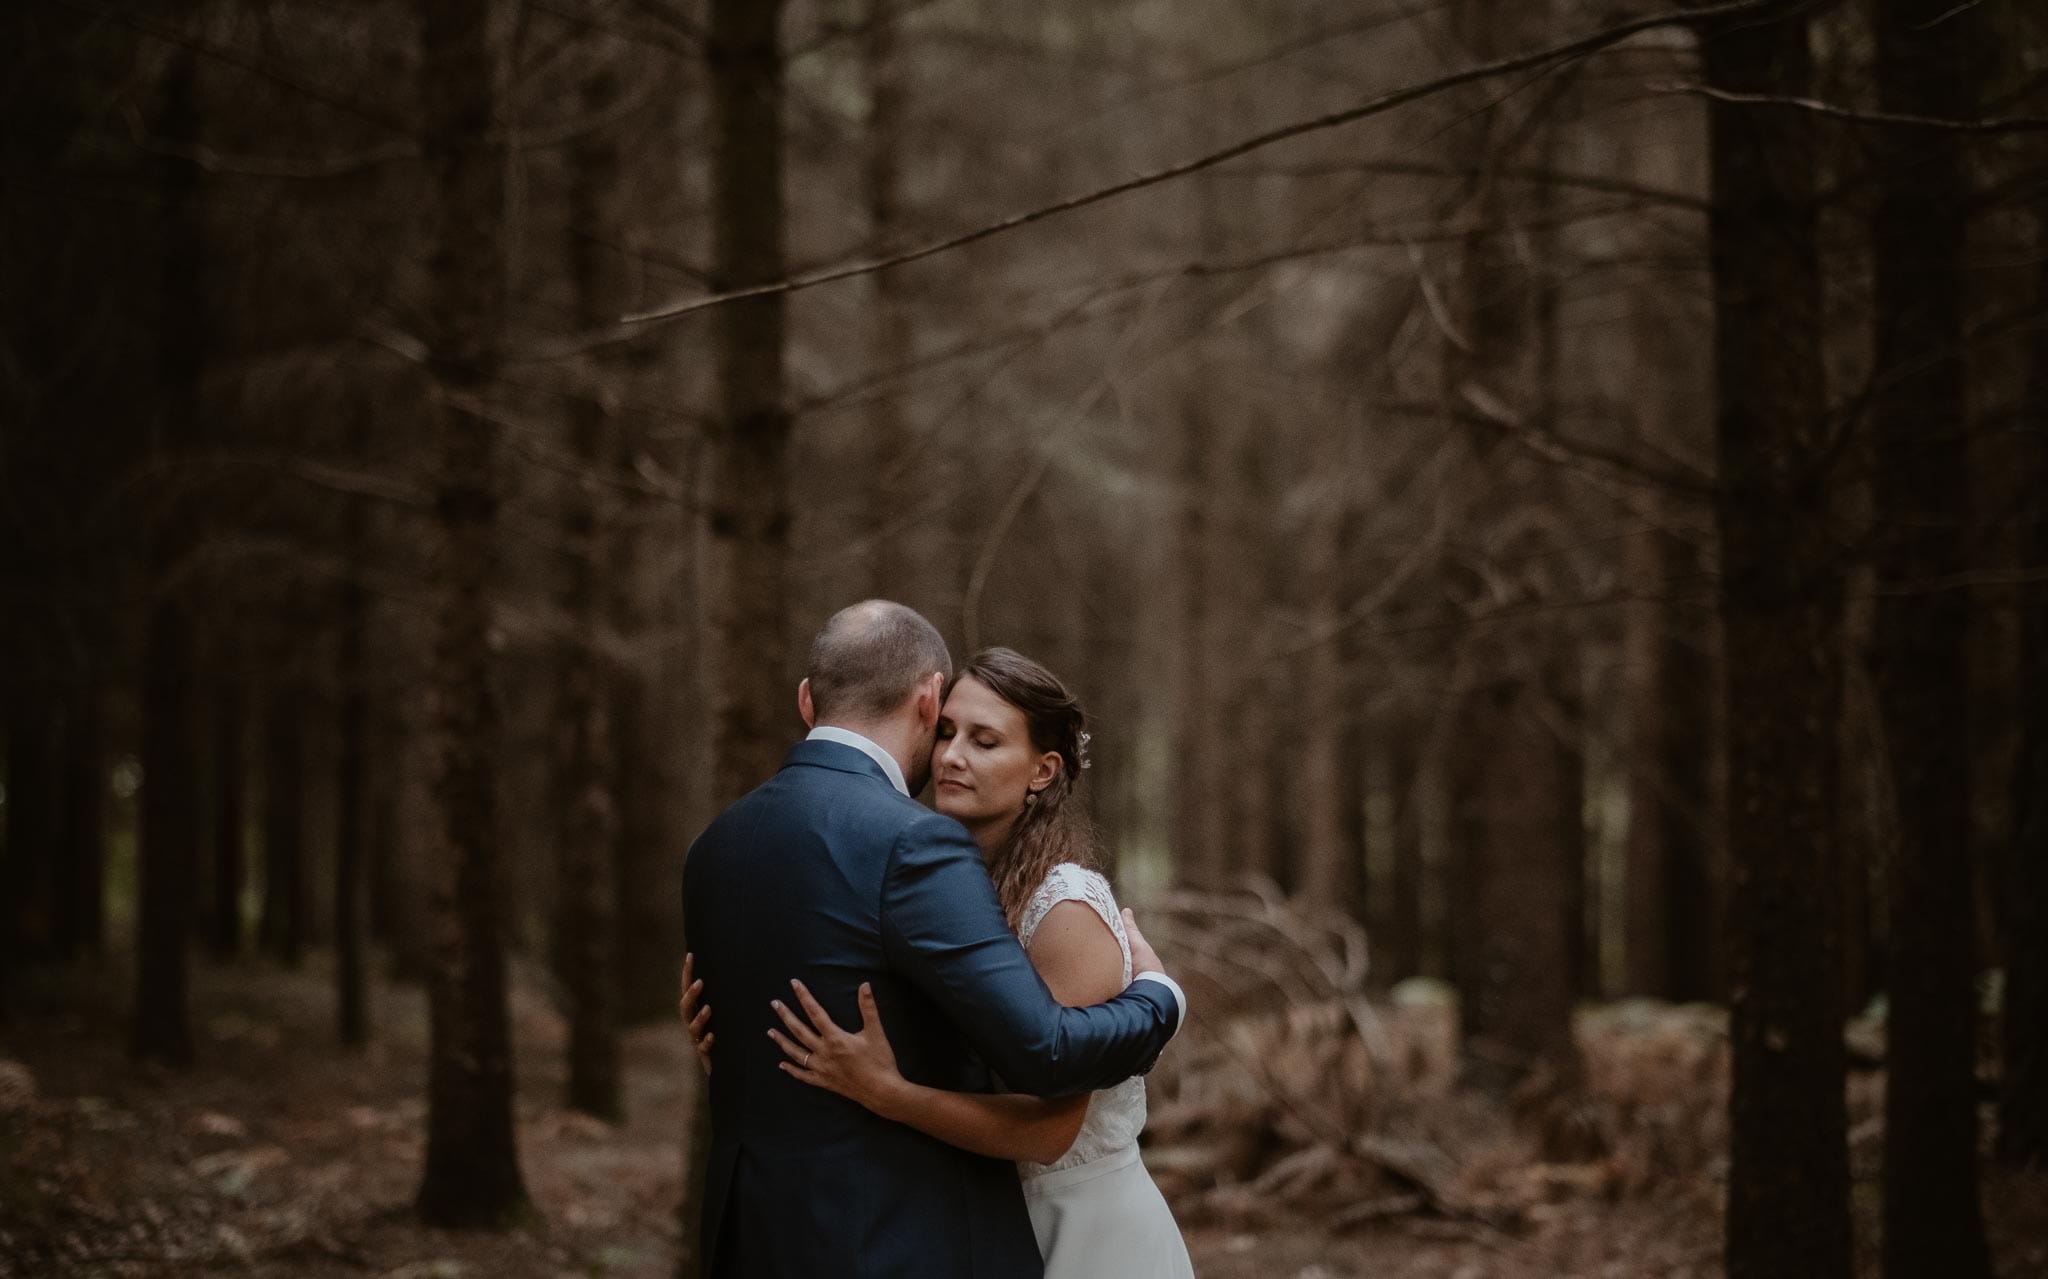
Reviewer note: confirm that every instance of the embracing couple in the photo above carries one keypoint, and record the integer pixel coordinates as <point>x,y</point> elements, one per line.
<point>991,1130</point>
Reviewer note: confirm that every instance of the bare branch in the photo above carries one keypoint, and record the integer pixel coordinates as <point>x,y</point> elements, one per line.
<point>1567,51</point>
<point>1893,119</point>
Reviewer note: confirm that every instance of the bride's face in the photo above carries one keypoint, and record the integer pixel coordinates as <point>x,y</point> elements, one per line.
<point>984,763</point>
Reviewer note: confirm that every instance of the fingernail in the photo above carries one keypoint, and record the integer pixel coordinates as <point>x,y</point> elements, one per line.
<point>776,1004</point>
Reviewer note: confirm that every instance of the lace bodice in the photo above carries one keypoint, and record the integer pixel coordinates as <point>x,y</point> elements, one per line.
<point>1115,1115</point>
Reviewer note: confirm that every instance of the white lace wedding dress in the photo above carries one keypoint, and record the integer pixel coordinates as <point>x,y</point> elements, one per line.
<point>1096,1213</point>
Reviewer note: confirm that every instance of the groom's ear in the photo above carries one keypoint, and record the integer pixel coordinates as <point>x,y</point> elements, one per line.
<point>804,706</point>
<point>930,696</point>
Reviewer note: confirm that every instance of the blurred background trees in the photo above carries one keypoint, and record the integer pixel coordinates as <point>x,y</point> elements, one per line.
<point>1583,524</point>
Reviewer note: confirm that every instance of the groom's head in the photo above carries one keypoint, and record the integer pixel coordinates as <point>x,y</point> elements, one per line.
<point>879,669</point>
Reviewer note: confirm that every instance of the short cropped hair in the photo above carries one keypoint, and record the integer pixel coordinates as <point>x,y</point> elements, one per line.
<point>869,657</point>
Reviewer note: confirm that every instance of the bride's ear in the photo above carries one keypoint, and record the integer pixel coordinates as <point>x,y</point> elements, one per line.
<point>1048,771</point>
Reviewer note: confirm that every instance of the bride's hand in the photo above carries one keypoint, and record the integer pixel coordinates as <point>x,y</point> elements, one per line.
<point>695,1018</point>
<point>859,1067</point>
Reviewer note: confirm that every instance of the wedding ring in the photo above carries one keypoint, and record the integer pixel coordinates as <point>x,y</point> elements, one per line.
<point>807,1059</point>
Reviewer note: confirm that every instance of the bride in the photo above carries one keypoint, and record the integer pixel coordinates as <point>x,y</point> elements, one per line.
<point>1012,742</point>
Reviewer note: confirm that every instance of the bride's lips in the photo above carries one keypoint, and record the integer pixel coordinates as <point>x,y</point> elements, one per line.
<point>956,785</point>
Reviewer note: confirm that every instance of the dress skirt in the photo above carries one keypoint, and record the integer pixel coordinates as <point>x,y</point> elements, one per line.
<point>1105,1220</point>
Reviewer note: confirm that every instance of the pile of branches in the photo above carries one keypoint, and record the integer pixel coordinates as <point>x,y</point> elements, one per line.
<point>1291,1096</point>
<point>1280,1096</point>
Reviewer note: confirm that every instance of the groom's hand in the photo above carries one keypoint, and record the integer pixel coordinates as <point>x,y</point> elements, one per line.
<point>1143,958</point>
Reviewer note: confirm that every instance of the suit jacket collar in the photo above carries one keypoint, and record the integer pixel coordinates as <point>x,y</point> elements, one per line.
<point>839,757</point>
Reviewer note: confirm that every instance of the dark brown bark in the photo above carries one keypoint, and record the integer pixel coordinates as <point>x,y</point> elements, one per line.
<point>747,490</point>
<point>648,779</point>
<point>1788,1184</point>
<point>887,329</point>
<point>82,880</point>
<point>282,928</point>
<point>746,494</point>
<point>29,875</point>
<point>1201,798</point>
<point>224,899</point>
<point>2023,1087</point>
<point>1673,895</point>
<point>1865,822</point>
<point>169,845</point>
<point>1200,802</point>
<point>1327,866</point>
<point>387,790</point>
<point>1256,832</point>
<point>352,802</point>
<point>1521,864</point>
<point>1932,1224</point>
<point>1108,657</point>
<point>1520,931</point>
<point>586,884</point>
<point>352,798</point>
<point>1398,947</point>
<point>472,1176</point>
<point>168,848</point>
<point>411,871</point>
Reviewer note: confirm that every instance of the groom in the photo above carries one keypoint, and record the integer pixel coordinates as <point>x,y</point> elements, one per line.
<point>831,873</point>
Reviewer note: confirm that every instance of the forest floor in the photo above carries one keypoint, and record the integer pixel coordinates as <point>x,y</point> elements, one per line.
<point>282,1155</point>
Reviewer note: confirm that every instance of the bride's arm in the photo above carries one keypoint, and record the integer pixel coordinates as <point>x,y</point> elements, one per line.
<point>1078,957</point>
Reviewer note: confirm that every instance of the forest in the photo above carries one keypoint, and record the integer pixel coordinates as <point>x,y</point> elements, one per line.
<point>1546,505</point>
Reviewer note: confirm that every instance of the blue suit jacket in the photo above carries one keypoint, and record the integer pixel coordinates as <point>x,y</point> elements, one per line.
<point>829,874</point>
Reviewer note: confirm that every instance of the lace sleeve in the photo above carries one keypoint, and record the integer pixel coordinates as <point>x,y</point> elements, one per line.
<point>1069,882</point>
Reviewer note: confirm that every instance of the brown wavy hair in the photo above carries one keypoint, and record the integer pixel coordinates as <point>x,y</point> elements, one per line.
<point>1054,828</point>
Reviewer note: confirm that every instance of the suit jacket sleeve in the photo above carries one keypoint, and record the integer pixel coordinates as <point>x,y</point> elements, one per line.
<point>944,930</point>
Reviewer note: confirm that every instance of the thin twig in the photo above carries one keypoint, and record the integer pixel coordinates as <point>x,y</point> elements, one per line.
<point>1835,111</point>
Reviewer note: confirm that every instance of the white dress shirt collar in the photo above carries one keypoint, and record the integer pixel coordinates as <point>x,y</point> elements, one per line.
<point>846,737</point>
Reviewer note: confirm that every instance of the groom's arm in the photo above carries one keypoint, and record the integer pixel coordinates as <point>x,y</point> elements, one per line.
<point>944,930</point>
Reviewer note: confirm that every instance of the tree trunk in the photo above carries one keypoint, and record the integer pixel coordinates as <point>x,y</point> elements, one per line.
<point>1200,804</point>
<point>1865,822</point>
<point>1932,1225</point>
<point>168,849</point>
<point>586,883</point>
<point>472,1175</point>
<point>1398,947</point>
<point>1521,863</point>
<point>352,801</point>
<point>1519,978</point>
<point>1788,1184</point>
<point>224,907</point>
<point>746,493</point>
<point>1329,865</point>
<point>2023,1087</point>
<point>352,798</point>
<point>891,519</point>
<point>282,931</point>
<point>1201,800</point>
<point>84,848</point>
<point>34,813</point>
<point>1672,893</point>
<point>649,777</point>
